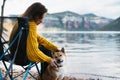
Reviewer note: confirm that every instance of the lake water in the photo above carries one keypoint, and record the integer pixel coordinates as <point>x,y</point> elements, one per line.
<point>91,54</point>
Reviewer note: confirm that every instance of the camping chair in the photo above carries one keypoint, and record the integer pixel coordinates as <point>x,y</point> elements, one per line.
<point>16,52</point>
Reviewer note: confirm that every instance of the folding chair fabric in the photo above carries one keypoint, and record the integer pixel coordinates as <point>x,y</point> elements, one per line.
<point>17,49</point>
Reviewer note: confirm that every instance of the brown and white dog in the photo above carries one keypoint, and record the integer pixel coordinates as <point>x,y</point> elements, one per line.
<point>56,73</point>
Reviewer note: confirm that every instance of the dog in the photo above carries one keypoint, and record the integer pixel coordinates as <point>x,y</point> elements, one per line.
<point>56,73</point>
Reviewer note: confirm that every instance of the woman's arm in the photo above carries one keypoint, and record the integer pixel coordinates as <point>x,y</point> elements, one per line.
<point>46,43</point>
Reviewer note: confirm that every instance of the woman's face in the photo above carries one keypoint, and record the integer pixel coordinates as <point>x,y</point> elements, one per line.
<point>38,20</point>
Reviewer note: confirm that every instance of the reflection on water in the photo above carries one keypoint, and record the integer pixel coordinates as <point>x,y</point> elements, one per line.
<point>91,53</point>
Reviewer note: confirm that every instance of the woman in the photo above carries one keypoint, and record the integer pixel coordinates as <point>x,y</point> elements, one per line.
<point>35,13</point>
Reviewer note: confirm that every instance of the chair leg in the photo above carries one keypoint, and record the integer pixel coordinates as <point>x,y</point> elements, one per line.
<point>27,71</point>
<point>0,74</point>
<point>37,69</point>
<point>7,72</point>
<point>1,78</point>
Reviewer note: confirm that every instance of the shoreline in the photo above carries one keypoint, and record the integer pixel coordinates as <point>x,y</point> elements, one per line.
<point>35,74</point>
<point>70,76</point>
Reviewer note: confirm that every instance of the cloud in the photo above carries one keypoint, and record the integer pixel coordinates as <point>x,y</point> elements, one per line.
<point>117,3</point>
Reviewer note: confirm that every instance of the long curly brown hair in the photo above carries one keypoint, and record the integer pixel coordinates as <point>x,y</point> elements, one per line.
<point>35,10</point>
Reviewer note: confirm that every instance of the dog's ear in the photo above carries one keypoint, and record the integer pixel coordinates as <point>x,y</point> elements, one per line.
<point>63,50</point>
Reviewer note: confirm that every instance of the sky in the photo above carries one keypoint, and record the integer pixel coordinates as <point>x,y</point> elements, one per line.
<point>104,8</point>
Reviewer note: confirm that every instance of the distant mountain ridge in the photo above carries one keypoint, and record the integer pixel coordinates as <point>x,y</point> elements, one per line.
<point>68,20</point>
<point>113,26</point>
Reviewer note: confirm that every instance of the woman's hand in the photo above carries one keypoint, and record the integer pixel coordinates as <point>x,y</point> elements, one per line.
<point>52,63</point>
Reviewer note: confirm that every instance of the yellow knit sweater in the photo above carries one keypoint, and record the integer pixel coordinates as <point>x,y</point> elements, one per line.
<point>33,41</point>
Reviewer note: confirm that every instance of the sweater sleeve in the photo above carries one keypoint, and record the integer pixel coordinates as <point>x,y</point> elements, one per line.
<point>46,43</point>
<point>33,52</point>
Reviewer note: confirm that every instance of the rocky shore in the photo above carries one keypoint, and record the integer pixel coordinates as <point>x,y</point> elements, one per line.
<point>16,72</point>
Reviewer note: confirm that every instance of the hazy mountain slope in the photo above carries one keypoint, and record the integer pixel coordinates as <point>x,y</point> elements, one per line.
<point>113,26</point>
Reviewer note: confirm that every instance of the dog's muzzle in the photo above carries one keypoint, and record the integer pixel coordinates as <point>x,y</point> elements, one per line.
<point>59,61</point>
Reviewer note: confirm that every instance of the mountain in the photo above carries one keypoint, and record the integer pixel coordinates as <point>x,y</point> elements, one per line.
<point>68,13</point>
<point>64,20</point>
<point>93,21</point>
<point>113,26</point>
<point>90,15</point>
<point>72,21</point>
<point>68,20</point>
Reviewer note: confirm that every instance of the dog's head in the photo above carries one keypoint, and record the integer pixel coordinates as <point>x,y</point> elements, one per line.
<point>59,57</point>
